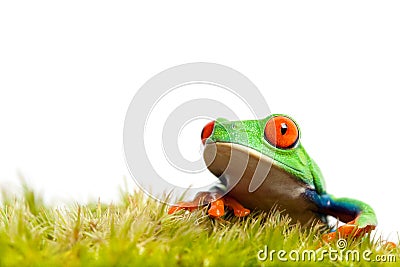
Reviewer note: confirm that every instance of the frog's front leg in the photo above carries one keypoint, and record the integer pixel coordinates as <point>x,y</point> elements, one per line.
<point>359,217</point>
<point>217,204</point>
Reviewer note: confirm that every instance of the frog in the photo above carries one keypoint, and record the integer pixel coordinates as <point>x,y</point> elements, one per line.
<point>262,165</point>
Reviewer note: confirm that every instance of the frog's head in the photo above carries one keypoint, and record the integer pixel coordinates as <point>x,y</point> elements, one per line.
<point>275,138</point>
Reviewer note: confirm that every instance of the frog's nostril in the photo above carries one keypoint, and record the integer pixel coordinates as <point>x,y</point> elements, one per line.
<point>207,131</point>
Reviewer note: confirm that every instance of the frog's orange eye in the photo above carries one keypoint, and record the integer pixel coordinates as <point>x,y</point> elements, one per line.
<point>207,131</point>
<point>281,132</point>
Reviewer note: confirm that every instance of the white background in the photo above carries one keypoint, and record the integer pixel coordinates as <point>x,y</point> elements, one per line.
<point>68,72</point>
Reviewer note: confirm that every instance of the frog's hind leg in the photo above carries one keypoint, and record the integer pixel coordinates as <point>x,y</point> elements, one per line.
<point>359,217</point>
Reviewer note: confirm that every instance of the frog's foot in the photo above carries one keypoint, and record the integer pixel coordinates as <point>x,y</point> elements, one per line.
<point>217,205</point>
<point>349,229</point>
<point>388,245</point>
<point>237,208</point>
<point>200,200</point>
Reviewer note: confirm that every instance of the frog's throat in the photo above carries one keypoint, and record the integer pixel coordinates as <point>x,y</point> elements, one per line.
<point>211,148</point>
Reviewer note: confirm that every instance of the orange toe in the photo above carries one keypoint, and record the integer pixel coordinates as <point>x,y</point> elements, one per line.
<point>217,208</point>
<point>174,209</point>
<point>353,230</point>
<point>329,237</point>
<point>182,206</point>
<point>238,209</point>
<point>389,245</point>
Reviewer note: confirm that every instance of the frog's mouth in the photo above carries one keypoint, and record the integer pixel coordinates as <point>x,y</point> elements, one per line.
<point>235,161</point>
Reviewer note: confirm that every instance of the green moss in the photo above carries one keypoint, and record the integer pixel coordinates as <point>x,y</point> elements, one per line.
<point>137,231</point>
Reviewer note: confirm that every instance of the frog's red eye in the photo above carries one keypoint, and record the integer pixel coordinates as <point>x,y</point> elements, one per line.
<point>281,132</point>
<point>207,131</point>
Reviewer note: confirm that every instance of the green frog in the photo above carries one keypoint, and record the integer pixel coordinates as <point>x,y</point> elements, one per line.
<point>261,165</point>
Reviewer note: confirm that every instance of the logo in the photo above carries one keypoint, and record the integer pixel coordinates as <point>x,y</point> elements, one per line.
<point>161,137</point>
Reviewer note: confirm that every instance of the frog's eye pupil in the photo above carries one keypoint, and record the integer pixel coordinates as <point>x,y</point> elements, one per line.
<point>281,132</point>
<point>283,128</point>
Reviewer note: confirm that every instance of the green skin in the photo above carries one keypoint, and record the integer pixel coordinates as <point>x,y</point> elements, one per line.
<point>296,162</point>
